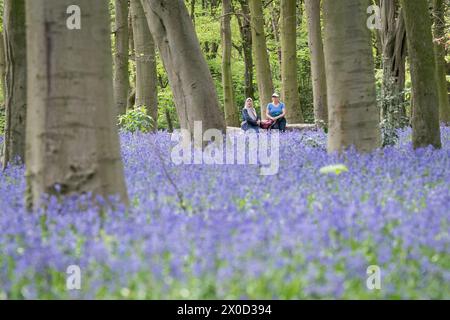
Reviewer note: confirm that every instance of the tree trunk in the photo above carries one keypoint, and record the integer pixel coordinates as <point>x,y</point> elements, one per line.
<point>276,31</point>
<point>425,118</point>
<point>231,115</point>
<point>263,73</point>
<point>132,64</point>
<point>246,35</point>
<point>189,76</point>
<point>72,139</point>
<point>393,43</point>
<point>288,31</point>
<point>439,8</point>
<point>353,112</point>
<point>193,11</point>
<point>2,67</point>
<point>16,81</point>
<point>317,62</point>
<point>145,57</point>
<point>121,76</point>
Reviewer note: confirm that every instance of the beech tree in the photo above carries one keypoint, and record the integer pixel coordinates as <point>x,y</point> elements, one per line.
<point>393,43</point>
<point>2,64</point>
<point>16,81</point>
<point>145,57</point>
<point>288,37</point>
<point>246,36</point>
<point>425,115</point>
<point>231,114</point>
<point>353,113</point>
<point>319,78</point>
<point>189,77</point>
<point>72,140</point>
<point>439,9</point>
<point>121,56</point>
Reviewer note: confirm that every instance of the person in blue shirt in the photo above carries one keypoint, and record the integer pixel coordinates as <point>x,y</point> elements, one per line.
<point>251,118</point>
<point>276,111</point>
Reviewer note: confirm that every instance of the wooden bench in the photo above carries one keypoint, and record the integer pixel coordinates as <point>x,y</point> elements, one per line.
<point>289,127</point>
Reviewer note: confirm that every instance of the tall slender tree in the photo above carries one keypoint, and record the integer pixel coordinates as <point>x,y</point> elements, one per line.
<point>16,81</point>
<point>439,9</point>
<point>145,57</point>
<point>425,117</point>
<point>231,114</point>
<point>246,35</point>
<point>288,36</point>
<point>121,56</point>
<point>132,64</point>
<point>189,76</point>
<point>393,44</point>
<point>263,72</point>
<point>2,65</point>
<point>353,112</point>
<point>275,22</point>
<point>318,74</point>
<point>72,139</point>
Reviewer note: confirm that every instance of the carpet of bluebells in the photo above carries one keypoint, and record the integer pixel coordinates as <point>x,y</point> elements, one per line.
<point>225,231</point>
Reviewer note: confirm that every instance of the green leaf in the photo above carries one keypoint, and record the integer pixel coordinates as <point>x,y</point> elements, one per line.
<point>336,169</point>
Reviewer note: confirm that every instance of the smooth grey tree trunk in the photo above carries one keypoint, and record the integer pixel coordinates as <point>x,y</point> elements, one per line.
<point>189,76</point>
<point>288,36</point>
<point>353,112</point>
<point>230,109</point>
<point>145,57</point>
<point>318,74</point>
<point>16,81</point>
<point>121,56</point>
<point>72,137</point>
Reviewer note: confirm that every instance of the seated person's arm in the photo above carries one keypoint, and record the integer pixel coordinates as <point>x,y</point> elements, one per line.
<point>281,115</point>
<point>248,119</point>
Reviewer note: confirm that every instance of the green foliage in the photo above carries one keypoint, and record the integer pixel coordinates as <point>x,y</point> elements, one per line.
<point>2,121</point>
<point>136,120</point>
<point>166,110</point>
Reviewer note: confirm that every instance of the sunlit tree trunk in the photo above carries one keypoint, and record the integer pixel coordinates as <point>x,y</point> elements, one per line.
<point>425,117</point>
<point>231,114</point>
<point>439,8</point>
<point>16,81</point>
<point>288,36</point>
<point>353,112</point>
<point>317,62</point>
<point>121,76</point>
<point>145,57</point>
<point>72,139</point>
<point>189,76</point>
<point>263,73</point>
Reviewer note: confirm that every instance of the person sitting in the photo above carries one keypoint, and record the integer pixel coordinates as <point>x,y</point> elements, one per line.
<point>251,118</point>
<point>276,111</point>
